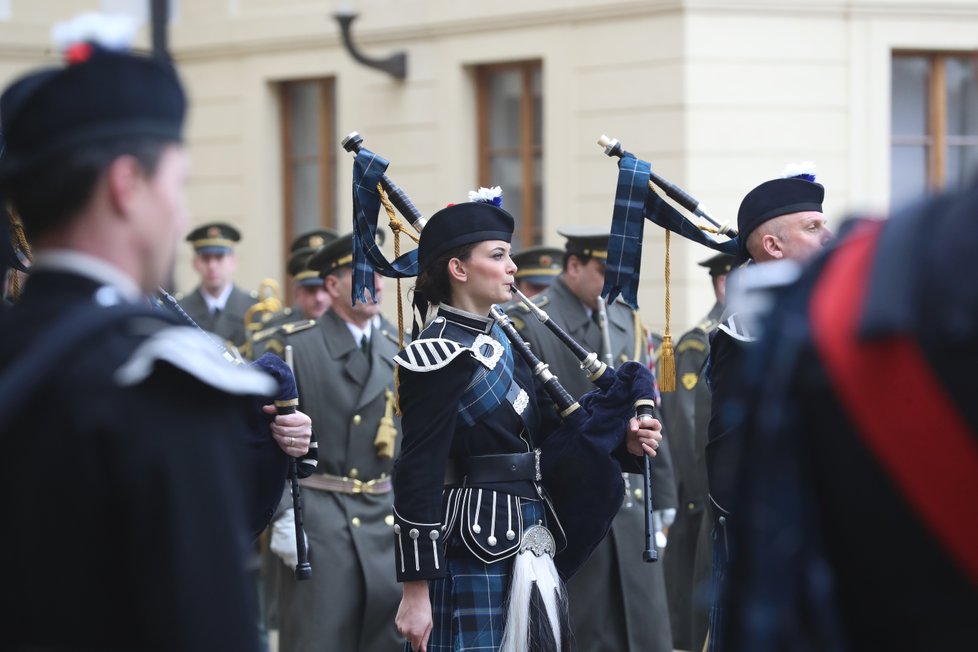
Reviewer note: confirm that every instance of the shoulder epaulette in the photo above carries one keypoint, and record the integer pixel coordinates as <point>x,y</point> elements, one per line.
<point>538,300</point>
<point>186,349</point>
<point>707,325</point>
<point>688,343</point>
<point>733,325</point>
<point>389,335</point>
<point>296,326</point>
<point>429,354</point>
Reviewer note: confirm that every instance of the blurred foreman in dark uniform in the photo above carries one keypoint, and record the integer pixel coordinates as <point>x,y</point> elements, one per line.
<point>217,304</point>
<point>687,414</point>
<point>124,484</point>
<point>860,466</point>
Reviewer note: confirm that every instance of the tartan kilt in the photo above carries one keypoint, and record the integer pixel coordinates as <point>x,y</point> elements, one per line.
<point>468,606</point>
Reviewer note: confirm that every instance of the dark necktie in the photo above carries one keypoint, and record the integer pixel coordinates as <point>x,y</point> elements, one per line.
<point>365,345</point>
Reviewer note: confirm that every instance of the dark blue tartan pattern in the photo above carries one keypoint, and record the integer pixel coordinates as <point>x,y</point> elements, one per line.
<point>488,387</point>
<point>627,229</point>
<point>368,169</point>
<point>635,203</point>
<point>468,607</point>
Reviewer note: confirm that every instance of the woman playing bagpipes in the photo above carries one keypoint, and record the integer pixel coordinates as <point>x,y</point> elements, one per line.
<point>475,527</point>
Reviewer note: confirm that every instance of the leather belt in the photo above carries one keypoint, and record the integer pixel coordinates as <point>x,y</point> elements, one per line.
<point>327,482</point>
<point>493,468</point>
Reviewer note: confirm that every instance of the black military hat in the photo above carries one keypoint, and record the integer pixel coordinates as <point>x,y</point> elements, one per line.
<point>100,96</point>
<point>333,256</point>
<point>778,197</point>
<point>462,224</point>
<point>214,238</point>
<point>540,265</point>
<point>586,241</point>
<point>302,249</point>
<point>720,264</point>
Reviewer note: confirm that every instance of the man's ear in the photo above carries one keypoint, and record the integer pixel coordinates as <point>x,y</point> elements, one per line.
<point>123,178</point>
<point>573,267</point>
<point>332,285</point>
<point>457,270</point>
<point>772,246</point>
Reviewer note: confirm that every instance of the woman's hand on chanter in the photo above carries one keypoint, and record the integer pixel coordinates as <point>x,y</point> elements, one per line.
<point>413,620</point>
<point>643,438</point>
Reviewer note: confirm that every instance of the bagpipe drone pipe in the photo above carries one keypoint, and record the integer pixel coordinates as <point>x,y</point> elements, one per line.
<point>580,464</point>
<point>636,201</point>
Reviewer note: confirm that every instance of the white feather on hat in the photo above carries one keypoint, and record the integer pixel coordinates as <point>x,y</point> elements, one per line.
<point>804,169</point>
<point>492,195</point>
<point>110,31</point>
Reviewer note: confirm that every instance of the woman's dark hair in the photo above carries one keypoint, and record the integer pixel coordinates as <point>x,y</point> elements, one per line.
<point>434,282</point>
<point>47,196</point>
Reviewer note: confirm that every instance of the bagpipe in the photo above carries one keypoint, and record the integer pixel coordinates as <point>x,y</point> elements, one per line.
<point>636,201</point>
<point>286,401</point>
<point>592,428</point>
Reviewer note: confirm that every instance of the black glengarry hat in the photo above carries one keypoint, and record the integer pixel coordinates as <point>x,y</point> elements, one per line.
<point>794,194</point>
<point>101,95</point>
<point>462,224</point>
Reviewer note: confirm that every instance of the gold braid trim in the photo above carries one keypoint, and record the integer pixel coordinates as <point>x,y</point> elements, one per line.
<point>397,228</point>
<point>17,227</point>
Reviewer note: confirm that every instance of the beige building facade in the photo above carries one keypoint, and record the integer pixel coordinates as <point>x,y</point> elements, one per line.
<point>718,94</point>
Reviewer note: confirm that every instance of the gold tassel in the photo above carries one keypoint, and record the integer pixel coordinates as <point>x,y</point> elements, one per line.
<point>386,432</point>
<point>667,373</point>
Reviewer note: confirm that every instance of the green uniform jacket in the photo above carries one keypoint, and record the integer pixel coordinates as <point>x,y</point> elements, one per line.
<point>687,416</point>
<point>352,598</point>
<point>229,324</point>
<point>617,601</point>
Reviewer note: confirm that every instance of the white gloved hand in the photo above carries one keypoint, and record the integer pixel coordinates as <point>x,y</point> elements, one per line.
<point>283,538</point>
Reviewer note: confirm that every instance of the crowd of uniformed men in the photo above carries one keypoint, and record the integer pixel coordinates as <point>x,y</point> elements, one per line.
<point>97,183</point>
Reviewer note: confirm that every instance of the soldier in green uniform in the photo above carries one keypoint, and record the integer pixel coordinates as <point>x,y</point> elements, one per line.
<point>687,413</point>
<point>311,299</point>
<point>217,304</point>
<point>617,601</point>
<point>345,372</point>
